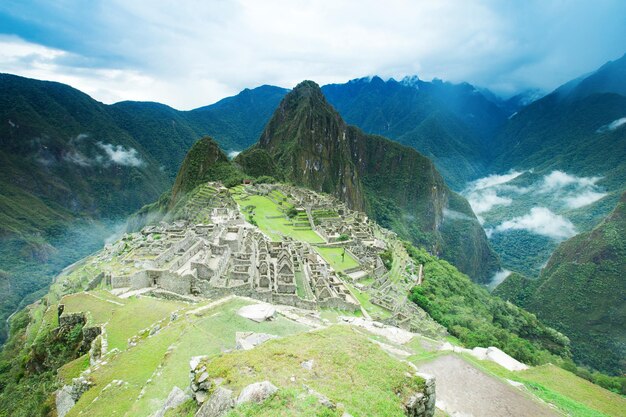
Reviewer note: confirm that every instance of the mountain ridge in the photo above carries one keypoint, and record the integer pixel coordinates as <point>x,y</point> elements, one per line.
<point>400,188</point>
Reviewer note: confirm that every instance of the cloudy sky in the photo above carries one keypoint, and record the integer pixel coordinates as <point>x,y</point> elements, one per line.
<point>192,53</point>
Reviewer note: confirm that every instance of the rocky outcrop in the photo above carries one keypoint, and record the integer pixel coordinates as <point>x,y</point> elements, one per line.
<point>249,340</point>
<point>257,392</point>
<point>176,397</point>
<point>422,404</point>
<point>218,404</point>
<point>68,395</point>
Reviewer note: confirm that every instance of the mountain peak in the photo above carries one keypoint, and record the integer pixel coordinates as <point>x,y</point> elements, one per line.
<point>312,146</point>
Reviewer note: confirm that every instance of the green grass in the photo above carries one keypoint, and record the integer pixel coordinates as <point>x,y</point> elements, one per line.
<point>286,403</point>
<point>301,289</point>
<point>73,369</point>
<point>333,255</point>
<point>348,368</point>
<point>168,353</point>
<point>364,299</point>
<point>123,321</point>
<point>275,228</point>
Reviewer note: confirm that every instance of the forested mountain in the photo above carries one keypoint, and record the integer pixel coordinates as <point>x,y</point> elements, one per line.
<point>401,189</point>
<point>453,124</point>
<point>581,292</point>
<point>73,168</point>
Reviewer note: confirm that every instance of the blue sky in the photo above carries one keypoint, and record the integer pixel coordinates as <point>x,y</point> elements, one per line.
<point>191,53</point>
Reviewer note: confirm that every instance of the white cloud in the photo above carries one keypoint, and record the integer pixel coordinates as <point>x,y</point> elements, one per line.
<point>455,215</point>
<point>76,157</point>
<point>233,154</point>
<point>189,54</point>
<point>566,190</point>
<point>540,221</point>
<point>582,199</point>
<point>572,191</point>
<point>498,277</point>
<point>615,124</point>
<point>483,201</point>
<point>493,180</point>
<point>557,180</point>
<point>482,193</point>
<point>119,155</point>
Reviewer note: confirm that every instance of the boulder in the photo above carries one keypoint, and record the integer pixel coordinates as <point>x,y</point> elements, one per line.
<point>64,400</point>
<point>257,392</point>
<point>249,340</point>
<point>176,397</point>
<point>257,312</point>
<point>218,403</point>
<point>308,365</point>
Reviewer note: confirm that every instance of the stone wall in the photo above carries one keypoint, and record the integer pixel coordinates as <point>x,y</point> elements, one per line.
<point>140,280</point>
<point>120,281</point>
<point>171,281</point>
<point>422,404</point>
<point>336,302</point>
<point>95,281</point>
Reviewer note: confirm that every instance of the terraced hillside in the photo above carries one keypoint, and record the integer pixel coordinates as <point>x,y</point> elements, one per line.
<point>105,341</point>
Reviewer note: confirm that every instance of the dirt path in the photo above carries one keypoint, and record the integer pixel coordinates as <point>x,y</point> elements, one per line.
<point>463,390</point>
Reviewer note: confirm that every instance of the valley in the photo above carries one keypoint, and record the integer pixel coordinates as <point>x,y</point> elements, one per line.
<point>377,247</point>
<point>138,336</point>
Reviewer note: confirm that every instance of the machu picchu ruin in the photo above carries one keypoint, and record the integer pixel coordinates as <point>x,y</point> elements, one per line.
<point>229,241</point>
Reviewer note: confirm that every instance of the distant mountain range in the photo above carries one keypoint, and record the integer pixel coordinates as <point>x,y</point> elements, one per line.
<point>581,292</point>
<point>307,143</point>
<point>72,167</point>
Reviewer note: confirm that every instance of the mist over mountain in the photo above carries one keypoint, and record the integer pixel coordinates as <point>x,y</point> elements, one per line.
<point>69,159</point>
<point>581,292</point>
<point>536,170</point>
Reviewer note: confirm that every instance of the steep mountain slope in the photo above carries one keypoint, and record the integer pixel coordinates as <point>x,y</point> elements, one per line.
<point>566,153</point>
<point>72,166</point>
<point>451,124</point>
<point>581,293</point>
<point>143,335</point>
<point>401,189</point>
<point>64,162</point>
<point>578,128</point>
<point>610,78</point>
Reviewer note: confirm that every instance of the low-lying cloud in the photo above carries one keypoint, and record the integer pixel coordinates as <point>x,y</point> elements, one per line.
<point>583,199</point>
<point>232,154</point>
<point>498,277</point>
<point>119,155</point>
<point>614,125</point>
<point>492,180</point>
<point>565,191</point>
<point>455,215</point>
<point>483,201</point>
<point>541,221</point>
<point>85,153</point>
<point>558,180</point>
<point>482,194</point>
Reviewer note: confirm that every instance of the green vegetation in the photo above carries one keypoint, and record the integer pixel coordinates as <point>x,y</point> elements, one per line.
<point>476,318</point>
<point>348,369</point>
<point>580,293</point>
<point>286,403</point>
<point>209,332</point>
<point>387,257</point>
<point>398,187</point>
<point>569,393</point>
<point>450,123</point>
<point>271,218</point>
<point>28,371</point>
<point>337,257</point>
